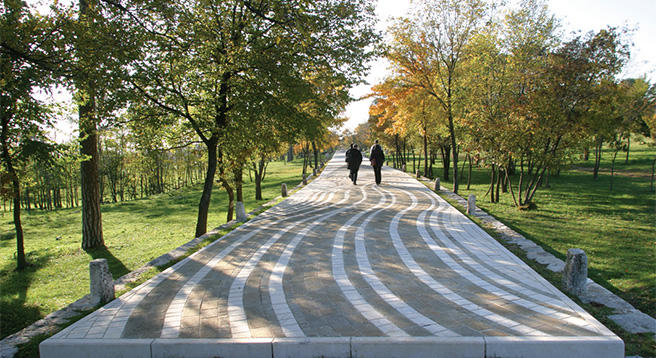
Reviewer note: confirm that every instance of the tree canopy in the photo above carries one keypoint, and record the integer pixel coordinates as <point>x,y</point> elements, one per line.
<point>515,94</point>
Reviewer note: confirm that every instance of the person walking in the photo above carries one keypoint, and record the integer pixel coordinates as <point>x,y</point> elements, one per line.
<point>354,163</point>
<point>348,159</point>
<point>377,157</point>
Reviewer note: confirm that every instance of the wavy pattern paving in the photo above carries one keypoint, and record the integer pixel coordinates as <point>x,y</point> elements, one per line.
<point>338,260</point>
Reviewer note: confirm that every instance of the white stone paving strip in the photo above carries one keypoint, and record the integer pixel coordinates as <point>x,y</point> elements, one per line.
<point>572,317</point>
<point>423,276</point>
<point>236,312</point>
<point>173,315</point>
<point>113,316</point>
<point>383,291</point>
<point>288,323</point>
<point>495,279</point>
<point>482,249</point>
<point>110,321</point>
<point>339,273</point>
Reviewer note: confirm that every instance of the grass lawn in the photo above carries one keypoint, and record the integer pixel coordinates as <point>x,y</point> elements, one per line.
<point>135,232</point>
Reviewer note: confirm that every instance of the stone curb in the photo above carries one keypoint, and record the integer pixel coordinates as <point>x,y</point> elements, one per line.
<point>436,347</point>
<point>626,316</point>
<point>52,322</point>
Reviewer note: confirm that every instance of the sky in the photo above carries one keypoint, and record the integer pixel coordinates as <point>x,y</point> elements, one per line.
<point>575,15</point>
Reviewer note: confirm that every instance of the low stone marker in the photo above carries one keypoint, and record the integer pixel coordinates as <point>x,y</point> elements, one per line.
<point>437,185</point>
<point>304,180</point>
<point>471,204</point>
<point>403,168</point>
<point>241,212</point>
<point>101,283</point>
<point>418,173</point>
<point>575,275</point>
<point>283,190</point>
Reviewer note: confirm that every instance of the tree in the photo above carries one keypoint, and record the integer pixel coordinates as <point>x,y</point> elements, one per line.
<point>28,58</point>
<point>505,66</point>
<point>220,62</point>
<point>100,42</point>
<point>429,52</point>
<point>558,103</point>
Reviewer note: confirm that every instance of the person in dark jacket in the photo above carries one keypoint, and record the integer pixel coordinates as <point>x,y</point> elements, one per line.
<point>348,159</point>
<point>354,163</point>
<point>377,157</point>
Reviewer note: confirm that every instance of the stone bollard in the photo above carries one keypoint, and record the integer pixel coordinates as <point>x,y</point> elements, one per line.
<point>403,168</point>
<point>575,275</point>
<point>241,212</point>
<point>314,172</point>
<point>471,204</point>
<point>284,190</point>
<point>304,180</point>
<point>437,185</point>
<point>101,283</point>
<point>418,174</point>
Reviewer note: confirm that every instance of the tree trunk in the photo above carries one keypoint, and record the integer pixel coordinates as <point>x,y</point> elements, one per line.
<point>92,234</point>
<point>512,192</point>
<point>290,153</point>
<point>239,183</point>
<point>316,154</point>
<point>21,262</point>
<point>462,169</point>
<point>469,174</point>
<point>612,168</point>
<point>259,168</point>
<point>498,184</point>
<point>454,149</point>
<point>598,151</point>
<point>425,153</point>
<point>397,158</point>
<point>414,161</point>
<point>306,157</point>
<point>628,148</point>
<point>492,181</point>
<point>226,185</point>
<point>504,181</point>
<point>204,204</point>
<point>430,165</point>
<point>445,150</point>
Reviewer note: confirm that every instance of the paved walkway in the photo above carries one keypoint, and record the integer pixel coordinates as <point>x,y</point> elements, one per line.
<point>339,270</point>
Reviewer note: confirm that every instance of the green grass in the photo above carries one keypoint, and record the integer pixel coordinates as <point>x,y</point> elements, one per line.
<point>615,228</point>
<point>135,232</point>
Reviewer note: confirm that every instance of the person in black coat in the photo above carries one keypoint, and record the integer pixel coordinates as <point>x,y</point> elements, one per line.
<point>377,157</point>
<point>348,159</point>
<point>354,163</point>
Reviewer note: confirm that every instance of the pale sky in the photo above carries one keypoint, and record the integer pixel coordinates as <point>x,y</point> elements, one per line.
<point>576,15</point>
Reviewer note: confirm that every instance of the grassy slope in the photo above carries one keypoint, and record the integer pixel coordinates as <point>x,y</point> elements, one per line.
<point>135,232</point>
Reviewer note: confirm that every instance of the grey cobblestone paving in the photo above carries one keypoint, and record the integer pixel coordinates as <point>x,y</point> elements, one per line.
<point>393,262</point>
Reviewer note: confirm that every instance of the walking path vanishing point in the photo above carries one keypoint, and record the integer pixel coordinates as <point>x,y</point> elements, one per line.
<point>339,270</point>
